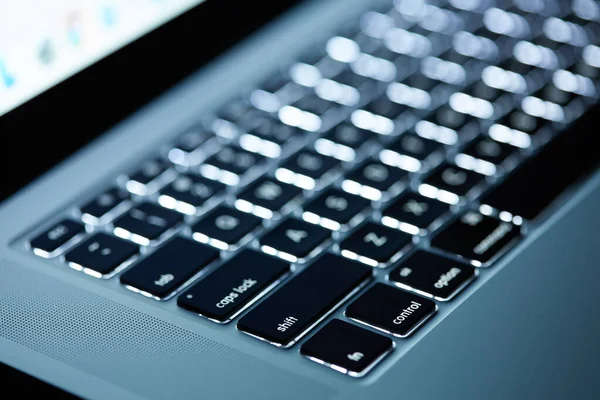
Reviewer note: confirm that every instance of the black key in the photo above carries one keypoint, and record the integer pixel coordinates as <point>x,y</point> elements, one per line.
<point>101,254</point>
<point>512,64</point>
<point>334,208</point>
<point>584,69</point>
<point>454,179</point>
<point>227,291</point>
<point>476,237</point>
<point>232,159</point>
<point>386,54</point>
<point>146,175</point>
<point>432,275</point>
<point>347,348</point>
<point>449,118</point>
<point>163,271</point>
<point>310,164</point>
<point>414,146</point>
<point>374,244</point>
<point>103,204</point>
<point>420,81</point>
<point>414,209</point>
<point>349,135</point>
<point>391,310</point>
<point>267,128</point>
<point>385,107</point>
<point>226,225</point>
<point>146,222</point>
<point>482,91</point>
<point>48,243</point>
<point>523,122</point>
<point>373,175</point>
<point>489,150</point>
<point>538,181</point>
<point>284,317</point>
<point>350,78</point>
<point>555,95</point>
<point>294,239</point>
<point>268,194</point>
<point>313,104</point>
<point>188,192</point>
<point>191,140</point>
<point>455,57</point>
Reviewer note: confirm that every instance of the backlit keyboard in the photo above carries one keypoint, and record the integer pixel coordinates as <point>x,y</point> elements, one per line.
<point>380,173</point>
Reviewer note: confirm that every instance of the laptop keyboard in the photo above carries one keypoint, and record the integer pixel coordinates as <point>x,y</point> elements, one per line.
<point>410,151</point>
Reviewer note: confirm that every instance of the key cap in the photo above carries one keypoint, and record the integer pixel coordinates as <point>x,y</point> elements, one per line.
<point>348,135</point>
<point>384,107</point>
<point>343,141</point>
<point>347,348</point>
<point>350,78</point>
<point>234,110</point>
<point>374,244</point>
<point>553,94</point>
<point>412,213</point>
<point>476,237</point>
<point>391,310</point>
<point>542,178</point>
<point>489,150</point>
<point>482,91</point>
<point>514,65</point>
<point>229,164</point>
<point>453,181</point>
<point>334,208</point>
<point>373,178</point>
<point>224,227</point>
<point>266,135</point>
<point>422,82</point>
<point>305,169</point>
<point>270,129</point>
<point>313,104</point>
<point>266,196</point>
<point>100,255</point>
<point>409,152</point>
<point>449,118</point>
<point>287,315</point>
<point>163,271</point>
<point>187,144</point>
<point>293,239</point>
<point>146,180</point>
<point>48,244</point>
<point>96,210</point>
<point>432,275</point>
<point>145,222</point>
<point>188,192</point>
<point>230,289</point>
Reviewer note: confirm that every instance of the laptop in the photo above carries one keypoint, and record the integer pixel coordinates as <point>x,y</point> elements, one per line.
<point>338,199</point>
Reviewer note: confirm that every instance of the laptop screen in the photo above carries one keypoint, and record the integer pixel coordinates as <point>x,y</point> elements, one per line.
<point>44,42</point>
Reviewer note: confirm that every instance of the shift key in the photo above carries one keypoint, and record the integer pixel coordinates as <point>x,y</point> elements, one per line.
<point>287,315</point>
